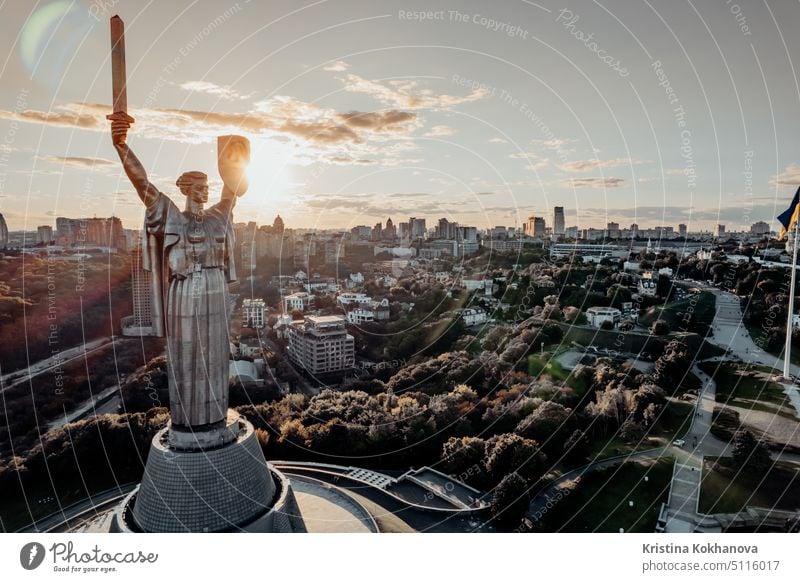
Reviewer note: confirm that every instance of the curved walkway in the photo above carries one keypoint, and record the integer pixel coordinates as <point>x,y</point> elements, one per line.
<point>681,512</point>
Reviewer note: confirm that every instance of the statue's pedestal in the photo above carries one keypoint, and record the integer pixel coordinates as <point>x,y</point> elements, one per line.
<point>209,481</point>
<point>192,440</point>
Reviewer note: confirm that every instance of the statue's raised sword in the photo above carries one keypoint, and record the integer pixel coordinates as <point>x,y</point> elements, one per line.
<point>119,80</point>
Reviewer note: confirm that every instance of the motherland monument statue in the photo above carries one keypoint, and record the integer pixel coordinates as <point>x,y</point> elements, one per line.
<point>205,471</point>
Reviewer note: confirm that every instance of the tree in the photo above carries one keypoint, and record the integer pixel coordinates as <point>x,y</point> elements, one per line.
<point>463,458</point>
<point>549,424</point>
<point>577,446</point>
<point>510,500</point>
<point>750,454</point>
<point>509,453</point>
<point>672,366</point>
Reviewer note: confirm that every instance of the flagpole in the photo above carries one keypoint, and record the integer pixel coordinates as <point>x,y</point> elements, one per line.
<point>790,319</point>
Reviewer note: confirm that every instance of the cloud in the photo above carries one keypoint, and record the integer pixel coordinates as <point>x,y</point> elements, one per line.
<point>789,177</point>
<point>586,165</point>
<point>337,66</point>
<point>312,132</point>
<point>372,204</point>
<point>440,131</point>
<point>223,92</point>
<point>535,161</point>
<point>497,140</point>
<point>394,120</point>
<point>555,144</point>
<point>71,115</point>
<point>733,216</point>
<point>345,161</point>
<point>76,161</point>
<point>405,94</point>
<point>593,183</point>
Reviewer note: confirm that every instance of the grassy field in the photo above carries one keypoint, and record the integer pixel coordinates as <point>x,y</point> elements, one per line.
<point>756,332</point>
<point>693,314</point>
<point>743,385</point>
<point>599,503</point>
<point>724,490</point>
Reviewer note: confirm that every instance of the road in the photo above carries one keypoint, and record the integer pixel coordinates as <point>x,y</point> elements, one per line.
<point>17,377</point>
<point>74,514</point>
<point>105,402</point>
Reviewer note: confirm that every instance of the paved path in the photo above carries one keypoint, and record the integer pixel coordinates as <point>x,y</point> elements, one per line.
<point>539,502</point>
<point>730,333</point>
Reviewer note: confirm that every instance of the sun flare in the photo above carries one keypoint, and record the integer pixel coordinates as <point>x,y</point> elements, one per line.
<point>268,173</point>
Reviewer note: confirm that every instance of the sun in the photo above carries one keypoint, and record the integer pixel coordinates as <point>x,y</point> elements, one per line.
<point>268,173</point>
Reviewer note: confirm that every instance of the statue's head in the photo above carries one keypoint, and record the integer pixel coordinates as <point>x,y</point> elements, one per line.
<point>194,185</point>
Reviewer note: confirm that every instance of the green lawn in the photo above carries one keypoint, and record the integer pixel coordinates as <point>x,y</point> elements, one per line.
<point>725,490</point>
<point>700,309</point>
<point>599,503</point>
<point>756,332</point>
<point>742,385</point>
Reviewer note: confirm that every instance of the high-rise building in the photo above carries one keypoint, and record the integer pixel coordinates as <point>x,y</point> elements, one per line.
<point>80,232</point>
<point>445,229</point>
<point>44,235</point>
<point>558,220</point>
<point>361,232</point>
<point>612,229</point>
<point>390,231</point>
<point>682,230</point>
<point>320,344</point>
<point>719,230</point>
<point>760,228</point>
<point>141,322</point>
<point>404,230</point>
<point>535,226</point>
<point>417,226</point>
<point>253,311</point>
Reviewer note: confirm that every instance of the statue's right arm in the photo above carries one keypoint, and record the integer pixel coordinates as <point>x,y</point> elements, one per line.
<point>133,167</point>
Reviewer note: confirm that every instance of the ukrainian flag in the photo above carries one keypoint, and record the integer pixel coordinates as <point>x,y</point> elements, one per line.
<point>789,217</point>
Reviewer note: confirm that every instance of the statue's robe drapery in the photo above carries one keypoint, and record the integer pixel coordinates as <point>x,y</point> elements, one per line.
<point>191,261</point>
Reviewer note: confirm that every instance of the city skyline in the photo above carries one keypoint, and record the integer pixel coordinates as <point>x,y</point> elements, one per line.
<point>45,231</point>
<point>347,136</point>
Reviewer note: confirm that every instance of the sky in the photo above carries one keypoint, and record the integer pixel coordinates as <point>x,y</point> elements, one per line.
<point>651,112</point>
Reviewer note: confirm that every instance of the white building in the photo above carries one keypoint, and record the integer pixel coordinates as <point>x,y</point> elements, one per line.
<point>598,315</point>
<point>478,283</point>
<point>647,287</point>
<point>321,344</point>
<point>299,301</point>
<point>473,316</point>
<point>253,311</point>
<point>704,255</point>
<point>281,326</point>
<point>381,309</point>
<point>633,266</point>
<point>360,315</point>
<point>441,276</point>
<point>352,298</point>
<point>386,280</point>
